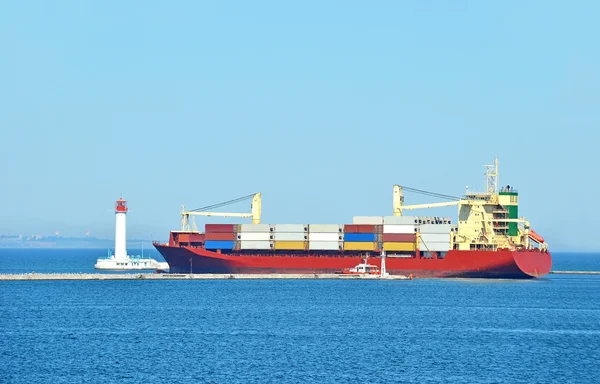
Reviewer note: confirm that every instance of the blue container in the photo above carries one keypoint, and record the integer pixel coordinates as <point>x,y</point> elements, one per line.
<point>218,244</point>
<point>359,237</point>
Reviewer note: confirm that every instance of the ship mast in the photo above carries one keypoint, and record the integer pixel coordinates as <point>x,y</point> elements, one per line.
<point>491,178</point>
<point>383,273</point>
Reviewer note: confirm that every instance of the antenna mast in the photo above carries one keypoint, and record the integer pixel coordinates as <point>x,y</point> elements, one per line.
<point>491,177</point>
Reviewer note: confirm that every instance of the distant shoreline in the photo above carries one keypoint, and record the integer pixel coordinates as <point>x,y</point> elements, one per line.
<point>66,244</point>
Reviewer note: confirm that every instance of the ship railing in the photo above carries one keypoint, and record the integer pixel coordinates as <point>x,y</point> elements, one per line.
<point>477,196</point>
<point>131,257</point>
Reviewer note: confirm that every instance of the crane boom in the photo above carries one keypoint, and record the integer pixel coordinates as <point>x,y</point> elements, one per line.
<point>398,200</point>
<point>432,205</point>
<point>220,214</point>
<point>255,206</point>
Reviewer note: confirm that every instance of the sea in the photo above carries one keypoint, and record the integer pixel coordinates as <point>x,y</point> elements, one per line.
<point>296,331</point>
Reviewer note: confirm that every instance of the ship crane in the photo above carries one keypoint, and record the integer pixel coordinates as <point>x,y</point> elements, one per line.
<point>255,207</point>
<point>399,200</point>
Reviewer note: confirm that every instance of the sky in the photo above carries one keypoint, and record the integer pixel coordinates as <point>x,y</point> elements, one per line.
<point>322,106</point>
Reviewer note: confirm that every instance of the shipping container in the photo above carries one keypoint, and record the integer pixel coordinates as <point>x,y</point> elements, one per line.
<point>399,237</point>
<point>184,238</point>
<point>359,246</point>
<point>324,245</point>
<point>363,228</point>
<point>367,220</point>
<point>404,220</point>
<point>436,228</point>
<point>399,228</point>
<point>216,244</point>
<point>312,236</point>
<point>258,245</point>
<point>392,246</point>
<point>359,237</point>
<point>290,236</point>
<point>435,237</point>
<point>254,236</point>
<point>290,227</point>
<point>325,228</point>
<point>435,247</point>
<point>219,228</point>
<point>255,228</point>
<point>188,238</point>
<point>290,245</point>
<point>228,236</point>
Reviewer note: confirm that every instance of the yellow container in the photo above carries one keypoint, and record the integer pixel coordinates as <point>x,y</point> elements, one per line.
<point>290,245</point>
<point>359,246</point>
<point>402,247</point>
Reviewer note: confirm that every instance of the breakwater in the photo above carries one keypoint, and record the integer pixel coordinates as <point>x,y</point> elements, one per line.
<point>169,276</point>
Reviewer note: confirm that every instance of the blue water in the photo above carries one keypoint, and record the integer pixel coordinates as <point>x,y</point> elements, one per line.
<point>320,331</point>
<point>60,260</point>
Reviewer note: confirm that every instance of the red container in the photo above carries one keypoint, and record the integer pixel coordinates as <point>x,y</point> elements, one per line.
<point>220,236</point>
<point>218,228</point>
<point>399,237</point>
<point>184,238</point>
<point>176,238</point>
<point>359,228</point>
<point>196,237</point>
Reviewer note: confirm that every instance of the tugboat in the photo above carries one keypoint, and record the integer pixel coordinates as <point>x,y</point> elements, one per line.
<point>361,269</point>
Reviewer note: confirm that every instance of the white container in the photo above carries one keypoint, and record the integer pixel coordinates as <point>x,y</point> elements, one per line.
<point>290,227</point>
<point>261,245</point>
<point>405,220</point>
<point>399,228</point>
<point>254,236</point>
<point>435,247</point>
<point>324,245</point>
<point>376,220</point>
<point>312,236</point>
<point>290,236</point>
<point>331,228</point>
<point>255,228</point>
<point>436,228</point>
<point>435,237</point>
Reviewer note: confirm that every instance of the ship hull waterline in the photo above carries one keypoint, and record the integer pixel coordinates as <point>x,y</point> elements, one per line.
<point>502,264</point>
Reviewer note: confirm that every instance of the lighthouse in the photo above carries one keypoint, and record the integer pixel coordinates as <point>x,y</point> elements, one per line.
<point>120,260</point>
<point>120,229</point>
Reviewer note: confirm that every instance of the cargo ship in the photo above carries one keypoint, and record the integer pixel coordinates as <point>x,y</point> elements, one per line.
<point>488,240</point>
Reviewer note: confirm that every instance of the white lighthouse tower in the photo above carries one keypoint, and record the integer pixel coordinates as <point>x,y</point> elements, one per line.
<point>120,260</point>
<point>121,230</point>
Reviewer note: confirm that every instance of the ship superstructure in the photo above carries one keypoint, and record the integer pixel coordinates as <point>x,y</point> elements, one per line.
<point>488,240</point>
<point>486,220</point>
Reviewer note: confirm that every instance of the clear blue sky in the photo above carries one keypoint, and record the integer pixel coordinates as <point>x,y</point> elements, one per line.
<point>322,106</point>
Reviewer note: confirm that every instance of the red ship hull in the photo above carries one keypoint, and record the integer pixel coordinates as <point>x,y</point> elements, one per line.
<point>473,264</point>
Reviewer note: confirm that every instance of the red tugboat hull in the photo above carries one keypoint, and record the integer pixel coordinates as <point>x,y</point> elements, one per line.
<point>502,264</point>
